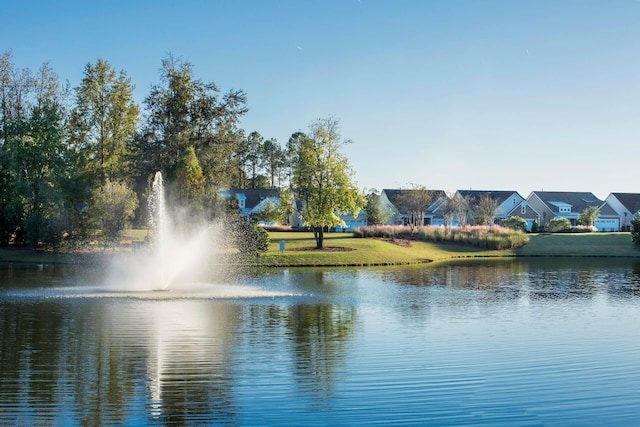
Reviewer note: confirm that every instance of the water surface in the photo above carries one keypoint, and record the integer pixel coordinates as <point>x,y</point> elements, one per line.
<point>476,343</point>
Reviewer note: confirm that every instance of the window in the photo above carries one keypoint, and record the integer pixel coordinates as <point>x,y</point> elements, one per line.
<point>564,209</point>
<point>523,209</point>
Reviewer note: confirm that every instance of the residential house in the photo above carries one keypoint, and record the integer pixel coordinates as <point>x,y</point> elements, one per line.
<point>253,201</point>
<point>525,211</point>
<point>627,205</point>
<point>509,202</point>
<point>352,222</point>
<point>391,205</point>
<point>563,204</point>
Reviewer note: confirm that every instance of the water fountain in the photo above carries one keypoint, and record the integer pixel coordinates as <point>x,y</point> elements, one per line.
<point>171,256</point>
<point>183,259</point>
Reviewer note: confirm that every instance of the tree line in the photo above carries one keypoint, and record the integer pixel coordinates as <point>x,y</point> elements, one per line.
<point>77,160</point>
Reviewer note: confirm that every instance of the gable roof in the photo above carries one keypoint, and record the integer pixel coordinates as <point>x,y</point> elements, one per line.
<point>253,196</point>
<point>631,201</point>
<point>393,194</point>
<point>500,196</point>
<point>578,201</point>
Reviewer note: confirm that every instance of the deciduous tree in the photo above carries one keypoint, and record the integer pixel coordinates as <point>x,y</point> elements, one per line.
<point>104,121</point>
<point>187,112</point>
<point>484,210</point>
<point>323,178</point>
<point>414,202</point>
<point>111,209</point>
<point>589,216</point>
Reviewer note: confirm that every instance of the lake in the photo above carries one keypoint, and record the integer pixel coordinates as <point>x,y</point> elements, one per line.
<point>493,342</point>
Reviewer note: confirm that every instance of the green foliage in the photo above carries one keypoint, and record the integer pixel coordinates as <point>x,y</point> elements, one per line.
<point>111,209</point>
<point>375,213</point>
<point>104,121</point>
<point>535,226</point>
<point>249,238</point>
<point>323,180</point>
<point>186,112</point>
<point>190,179</point>
<point>558,225</point>
<point>273,159</point>
<point>286,207</point>
<point>36,164</point>
<point>635,229</point>
<point>269,213</point>
<point>515,223</point>
<point>589,216</point>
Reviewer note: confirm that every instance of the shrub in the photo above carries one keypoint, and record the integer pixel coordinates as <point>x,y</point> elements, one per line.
<point>558,225</point>
<point>635,229</point>
<point>490,237</point>
<point>249,238</point>
<point>515,223</point>
<point>584,229</point>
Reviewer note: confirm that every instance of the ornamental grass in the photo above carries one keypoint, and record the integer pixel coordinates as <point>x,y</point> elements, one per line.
<point>487,237</point>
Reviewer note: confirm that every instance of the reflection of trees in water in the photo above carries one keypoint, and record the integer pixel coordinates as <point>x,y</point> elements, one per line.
<point>95,363</point>
<point>316,335</point>
<point>26,343</point>
<point>320,334</point>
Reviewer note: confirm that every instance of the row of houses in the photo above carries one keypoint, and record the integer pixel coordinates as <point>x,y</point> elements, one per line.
<point>614,213</point>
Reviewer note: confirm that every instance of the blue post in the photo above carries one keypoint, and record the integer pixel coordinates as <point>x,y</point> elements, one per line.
<point>281,245</point>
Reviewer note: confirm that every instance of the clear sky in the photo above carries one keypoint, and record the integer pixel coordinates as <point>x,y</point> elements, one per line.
<point>484,95</point>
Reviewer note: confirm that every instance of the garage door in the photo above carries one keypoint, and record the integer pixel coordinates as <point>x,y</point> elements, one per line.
<point>607,224</point>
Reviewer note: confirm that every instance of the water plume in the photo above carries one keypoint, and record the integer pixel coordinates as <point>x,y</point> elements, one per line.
<point>172,253</point>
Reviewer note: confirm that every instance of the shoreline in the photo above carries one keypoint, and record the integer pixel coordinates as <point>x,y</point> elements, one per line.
<point>368,252</point>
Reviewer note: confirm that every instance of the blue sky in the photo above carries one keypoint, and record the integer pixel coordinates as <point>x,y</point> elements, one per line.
<point>501,95</point>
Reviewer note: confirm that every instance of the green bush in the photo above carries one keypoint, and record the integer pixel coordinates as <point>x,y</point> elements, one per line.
<point>635,229</point>
<point>515,223</point>
<point>558,225</point>
<point>249,238</point>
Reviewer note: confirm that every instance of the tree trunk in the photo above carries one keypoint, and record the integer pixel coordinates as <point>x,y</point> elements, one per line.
<point>318,233</point>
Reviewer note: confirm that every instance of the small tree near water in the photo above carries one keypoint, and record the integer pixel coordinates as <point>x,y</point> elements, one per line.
<point>635,229</point>
<point>112,208</point>
<point>249,238</point>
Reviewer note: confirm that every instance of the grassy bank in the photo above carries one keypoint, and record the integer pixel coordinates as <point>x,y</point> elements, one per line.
<point>384,252</point>
<point>341,249</point>
<point>580,245</point>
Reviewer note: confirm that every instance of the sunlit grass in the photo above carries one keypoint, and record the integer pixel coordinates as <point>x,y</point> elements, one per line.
<point>361,251</point>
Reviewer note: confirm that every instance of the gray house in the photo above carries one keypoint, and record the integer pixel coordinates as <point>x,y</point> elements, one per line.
<point>508,203</point>
<point>391,205</point>
<point>567,204</point>
<point>626,205</point>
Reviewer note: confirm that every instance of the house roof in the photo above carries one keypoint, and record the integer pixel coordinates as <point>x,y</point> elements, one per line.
<point>253,196</point>
<point>393,194</point>
<point>500,196</point>
<point>631,201</point>
<point>578,201</point>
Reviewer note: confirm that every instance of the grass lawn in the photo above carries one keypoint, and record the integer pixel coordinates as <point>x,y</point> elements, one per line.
<point>299,251</point>
<point>580,245</point>
<point>342,249</point>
